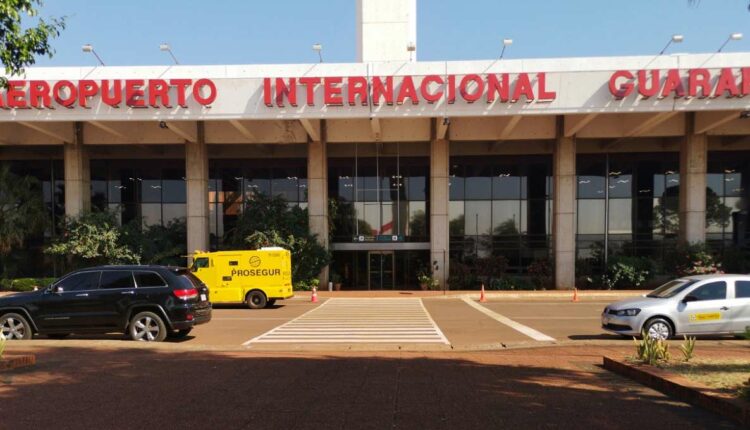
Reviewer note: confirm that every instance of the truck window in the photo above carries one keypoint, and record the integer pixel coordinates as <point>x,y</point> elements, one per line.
<point>200,263</point>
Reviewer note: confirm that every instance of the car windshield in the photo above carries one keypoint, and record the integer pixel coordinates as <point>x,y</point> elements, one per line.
<point>671,288</point>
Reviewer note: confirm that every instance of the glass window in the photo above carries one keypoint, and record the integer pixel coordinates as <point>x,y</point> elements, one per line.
<point>478,183</point>
<point>711,291</point>
<point>152,279</point>
<point>742,289</point>
<point>80,282</point>
<point>112,279</point>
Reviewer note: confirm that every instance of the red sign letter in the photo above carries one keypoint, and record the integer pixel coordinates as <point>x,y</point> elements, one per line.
<point>727,83</point>
<point>309,84</point>
<point>158,89</point>
<point>407,90</point>
<point>86,88</point>
<point>379,90</point>
<point>332,91</point>
<point>699,78</point>
<point>198,96</point>
<point>181,85</point>
<point>622,90</point>
<point>424,88</point>
<point>542,85</point>
<point>39,91</point>
<point>673,84</point>
<point>357,86</point>
<point>523,88</point>
<point>500,87</point>
<point>290,91</point>
<point>57,91</point>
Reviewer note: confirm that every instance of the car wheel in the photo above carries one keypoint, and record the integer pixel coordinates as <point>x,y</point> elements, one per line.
<point>270,303</point>
<point>15,326</point>
<point>147,327</point>
<point>658,328</point>
<point>58,335</point>
<point>179,334</point>
<point>256,300</point>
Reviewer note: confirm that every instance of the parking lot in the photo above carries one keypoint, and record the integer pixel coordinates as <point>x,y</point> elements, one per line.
<point>398,323</point>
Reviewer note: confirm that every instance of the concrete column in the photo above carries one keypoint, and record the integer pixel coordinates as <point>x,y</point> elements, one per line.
<point>196,175</point>
<point>77,175</point>
<point>439,233</point>
<point>564,203</point>
<point>693,166</point>
<point>317,192</point>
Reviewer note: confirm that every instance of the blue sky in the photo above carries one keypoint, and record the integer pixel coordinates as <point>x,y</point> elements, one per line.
<point>128,32</point>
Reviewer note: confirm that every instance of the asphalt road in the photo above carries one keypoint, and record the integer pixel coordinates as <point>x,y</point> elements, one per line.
<point>453,324</point>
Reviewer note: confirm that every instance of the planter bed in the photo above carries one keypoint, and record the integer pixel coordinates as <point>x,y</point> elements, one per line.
<point>684,389</point>
<point>9,362</point>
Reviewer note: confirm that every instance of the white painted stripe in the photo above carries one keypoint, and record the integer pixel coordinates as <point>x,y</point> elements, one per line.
<point>306,313</point>
<point>390,320</point>
<point>528,331</point>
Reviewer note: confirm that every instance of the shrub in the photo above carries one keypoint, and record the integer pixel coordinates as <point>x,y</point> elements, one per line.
<point>687,348</point>
<point>511,284</point>
<point>650,350</point>
<point>540,272</point>
<point>25,284</point>
<point>93,238</point>
<point>693,259</point>
<point>461,277</point>
<point>624,272</point>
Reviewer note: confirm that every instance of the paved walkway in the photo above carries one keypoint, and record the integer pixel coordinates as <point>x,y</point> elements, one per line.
<point>549,388</point>
<point>365,320</point>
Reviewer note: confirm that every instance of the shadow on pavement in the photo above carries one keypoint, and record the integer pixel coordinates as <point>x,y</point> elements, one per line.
<point>603,336</point>
<point>146,387</point>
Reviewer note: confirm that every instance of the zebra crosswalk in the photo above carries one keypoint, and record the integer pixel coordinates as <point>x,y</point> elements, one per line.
<point>359,320</point>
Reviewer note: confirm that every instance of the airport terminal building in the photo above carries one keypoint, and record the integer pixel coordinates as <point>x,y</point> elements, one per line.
<point>425,163</point>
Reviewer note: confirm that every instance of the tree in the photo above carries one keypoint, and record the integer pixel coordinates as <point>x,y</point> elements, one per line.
<point>270,221</point>
<point>91,239</point>
<point>22,211</point>
<point>157,244</point>
<point>23,36</point>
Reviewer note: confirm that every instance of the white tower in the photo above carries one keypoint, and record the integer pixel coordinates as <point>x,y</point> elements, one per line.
<point>385,28</point>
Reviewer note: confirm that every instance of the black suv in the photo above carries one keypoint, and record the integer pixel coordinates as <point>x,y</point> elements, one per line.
<point>149,303</point>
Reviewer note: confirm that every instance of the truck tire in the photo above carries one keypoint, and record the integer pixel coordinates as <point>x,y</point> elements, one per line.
<point>256,299</point>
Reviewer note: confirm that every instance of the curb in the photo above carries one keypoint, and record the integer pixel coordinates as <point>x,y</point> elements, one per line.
<point>682,389</point>
<point>17,361</point>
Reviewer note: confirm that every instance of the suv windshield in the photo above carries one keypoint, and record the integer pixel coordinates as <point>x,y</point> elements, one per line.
<point>671,288</point>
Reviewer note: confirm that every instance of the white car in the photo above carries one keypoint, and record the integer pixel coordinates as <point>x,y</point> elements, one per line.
<point>694,305</point>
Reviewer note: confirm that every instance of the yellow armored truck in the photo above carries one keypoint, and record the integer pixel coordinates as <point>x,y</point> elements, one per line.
<point>257,278</point>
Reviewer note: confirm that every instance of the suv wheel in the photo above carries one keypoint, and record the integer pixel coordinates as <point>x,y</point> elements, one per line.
<point>15,326</point>
<point>658,328</point>
<point>256,299</point>
<point>147,327</point>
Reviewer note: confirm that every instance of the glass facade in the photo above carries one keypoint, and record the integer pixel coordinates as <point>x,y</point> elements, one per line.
<point>379,196</point>
<point>151,190</point>
<point>627,204</point>
<point>30,260</point>
<point>234,182</point>
<point>727,199</point>
<point>501,206</point>
<point>379,270</point>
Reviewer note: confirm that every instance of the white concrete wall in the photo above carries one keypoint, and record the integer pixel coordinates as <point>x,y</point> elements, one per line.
<point>581,84</point>
<point>384,28</point>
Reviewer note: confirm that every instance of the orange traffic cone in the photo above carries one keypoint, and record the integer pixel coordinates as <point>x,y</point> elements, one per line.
<point>575,294</point>
<point>481,295</point>
<point>314,297</point>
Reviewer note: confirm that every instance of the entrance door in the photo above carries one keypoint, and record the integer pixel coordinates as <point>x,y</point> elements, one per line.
<point>380,270</point>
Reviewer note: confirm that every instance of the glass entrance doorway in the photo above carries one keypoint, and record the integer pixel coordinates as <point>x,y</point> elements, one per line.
<point>380,270</point>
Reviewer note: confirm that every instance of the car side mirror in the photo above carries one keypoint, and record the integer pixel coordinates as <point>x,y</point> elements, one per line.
<point>689,299</point>
<point>57,289</point>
